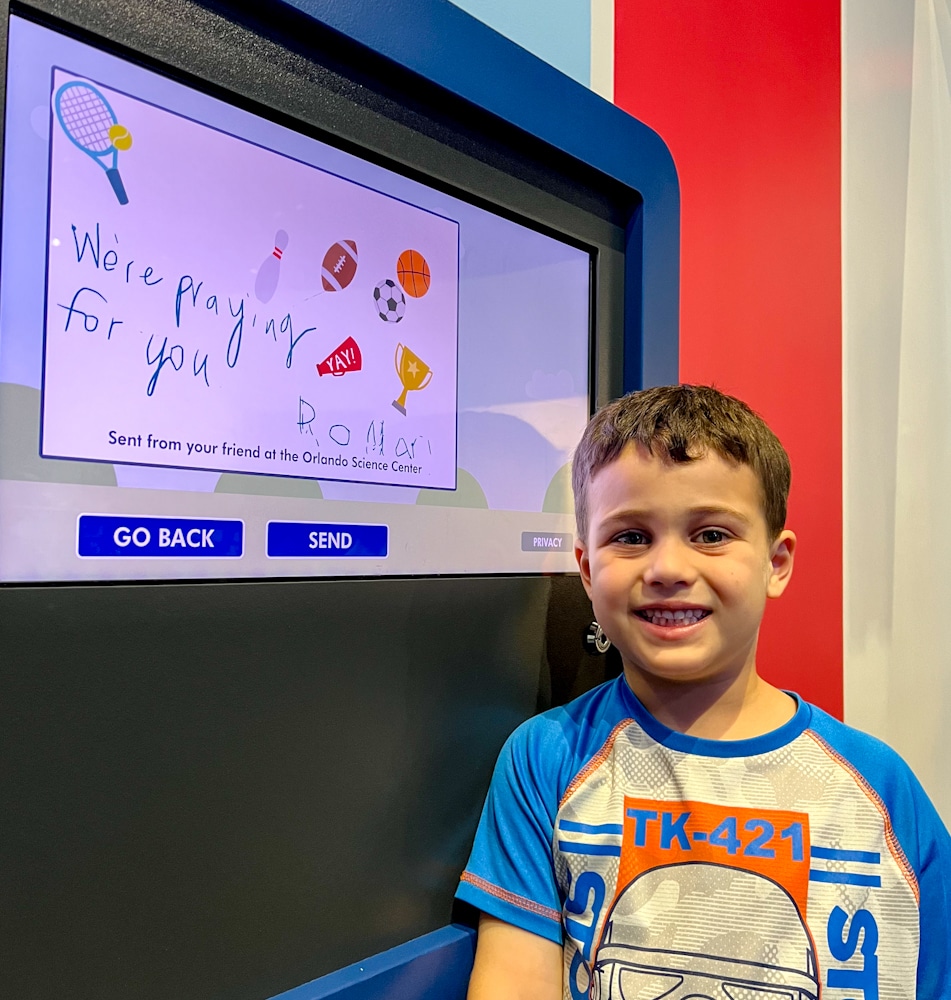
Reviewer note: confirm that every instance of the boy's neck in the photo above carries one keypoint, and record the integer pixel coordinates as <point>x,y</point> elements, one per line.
<point>724,708</point>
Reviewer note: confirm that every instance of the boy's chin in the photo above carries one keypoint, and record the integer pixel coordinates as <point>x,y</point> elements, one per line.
<point>680,671</point>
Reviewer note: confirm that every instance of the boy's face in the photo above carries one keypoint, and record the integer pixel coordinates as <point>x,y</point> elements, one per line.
<point>678,563</point>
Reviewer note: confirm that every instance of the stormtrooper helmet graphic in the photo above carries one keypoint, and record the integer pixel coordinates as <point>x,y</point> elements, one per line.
<point>703,931</point>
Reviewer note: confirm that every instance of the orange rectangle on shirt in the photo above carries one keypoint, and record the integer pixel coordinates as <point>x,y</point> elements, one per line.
<point>769,842</point>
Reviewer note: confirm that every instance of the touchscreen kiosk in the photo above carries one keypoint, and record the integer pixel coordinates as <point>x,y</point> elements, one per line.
<point>304,305</point>
<point>228,349</point>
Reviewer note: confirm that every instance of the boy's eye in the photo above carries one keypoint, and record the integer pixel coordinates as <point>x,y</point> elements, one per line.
<point>632,538</point>
<point>712,536</point>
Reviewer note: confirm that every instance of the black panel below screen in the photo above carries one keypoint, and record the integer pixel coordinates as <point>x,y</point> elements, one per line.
<point>226,790</point>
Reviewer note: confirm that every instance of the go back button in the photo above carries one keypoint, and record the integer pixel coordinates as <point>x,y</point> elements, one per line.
<point>109,536</point>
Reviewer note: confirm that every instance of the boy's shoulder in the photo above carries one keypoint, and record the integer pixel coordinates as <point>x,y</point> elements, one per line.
<point>584,724</point>
<point>868,755</point>
<point>556,746</point>
<point>882,773</point>
<point>551,748</point>
<point>851,743</point>
<point>597,706</point>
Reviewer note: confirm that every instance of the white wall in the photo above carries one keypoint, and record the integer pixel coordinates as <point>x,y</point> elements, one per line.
<point>897,378</point>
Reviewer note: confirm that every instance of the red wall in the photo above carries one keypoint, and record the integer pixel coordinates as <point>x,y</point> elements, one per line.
<point>747,96</point>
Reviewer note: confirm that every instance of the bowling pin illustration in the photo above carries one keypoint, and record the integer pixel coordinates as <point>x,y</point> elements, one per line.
<point>265,284</point>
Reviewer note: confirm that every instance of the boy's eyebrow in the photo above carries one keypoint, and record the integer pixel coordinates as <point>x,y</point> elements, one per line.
<point>716,509</point>
<point>707,510</point>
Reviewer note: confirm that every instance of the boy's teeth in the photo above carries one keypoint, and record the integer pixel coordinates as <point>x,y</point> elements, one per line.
<point>664,616</point>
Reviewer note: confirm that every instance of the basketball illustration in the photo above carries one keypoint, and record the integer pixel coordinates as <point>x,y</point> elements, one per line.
<point>339,266</point>
<point>413,273</point>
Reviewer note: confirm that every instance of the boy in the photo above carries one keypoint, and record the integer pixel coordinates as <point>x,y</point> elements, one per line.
<point>688,830</point>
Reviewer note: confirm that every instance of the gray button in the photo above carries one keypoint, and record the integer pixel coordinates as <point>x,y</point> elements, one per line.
<point>547,541</point>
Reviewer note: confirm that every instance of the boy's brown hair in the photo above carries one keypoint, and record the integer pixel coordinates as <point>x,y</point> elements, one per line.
<point>681,423</point>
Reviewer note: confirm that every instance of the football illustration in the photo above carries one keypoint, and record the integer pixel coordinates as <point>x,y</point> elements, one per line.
<point>390,301</point>
<point>413,273</point>
<point>339,266</point>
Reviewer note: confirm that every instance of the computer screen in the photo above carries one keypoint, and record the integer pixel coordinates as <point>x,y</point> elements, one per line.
<point>229,349</point>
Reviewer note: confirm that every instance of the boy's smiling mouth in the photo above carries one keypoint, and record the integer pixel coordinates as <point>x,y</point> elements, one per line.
<point>672,617</point>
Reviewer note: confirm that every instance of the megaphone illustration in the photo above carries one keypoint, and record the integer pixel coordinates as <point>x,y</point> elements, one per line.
<point>346,357</point>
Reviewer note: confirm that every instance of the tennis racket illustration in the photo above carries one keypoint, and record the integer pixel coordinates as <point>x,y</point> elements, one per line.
<point>90,123</point>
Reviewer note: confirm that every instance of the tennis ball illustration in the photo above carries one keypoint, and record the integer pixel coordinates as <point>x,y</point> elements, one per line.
<point>121,137</point>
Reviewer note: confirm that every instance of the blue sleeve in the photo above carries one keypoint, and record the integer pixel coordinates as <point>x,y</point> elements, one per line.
<point>510,874</point>
<point>933,865</point>
<point>923,838</point>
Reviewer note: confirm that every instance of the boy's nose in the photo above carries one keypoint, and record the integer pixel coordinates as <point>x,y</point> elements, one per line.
<point>669,564</point>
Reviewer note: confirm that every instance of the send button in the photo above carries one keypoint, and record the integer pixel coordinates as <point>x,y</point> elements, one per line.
<point>307,540</point>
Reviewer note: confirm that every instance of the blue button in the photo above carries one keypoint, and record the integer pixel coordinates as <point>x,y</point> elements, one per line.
<point>131,535</point>
<point>307,540</point>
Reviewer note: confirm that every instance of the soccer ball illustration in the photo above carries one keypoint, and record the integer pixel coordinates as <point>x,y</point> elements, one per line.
<point>390,301</point>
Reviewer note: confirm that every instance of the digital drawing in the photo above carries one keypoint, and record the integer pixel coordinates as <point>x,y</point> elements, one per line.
<point>345,357</point>
<point>705,931</point>
<point>390,301</point>
<point>90,123</point>
<point>269,273</point>
<point>339,267</point>
<point>201,330</point>
<point>412,271</point>
<point>414,373</point>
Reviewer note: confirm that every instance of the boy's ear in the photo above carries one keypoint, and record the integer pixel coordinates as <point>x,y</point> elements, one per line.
<point>581,554</point>
<point>781,554</point>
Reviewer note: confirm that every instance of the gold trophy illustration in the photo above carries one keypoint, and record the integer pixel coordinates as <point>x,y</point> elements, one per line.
<point>414,374</point>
